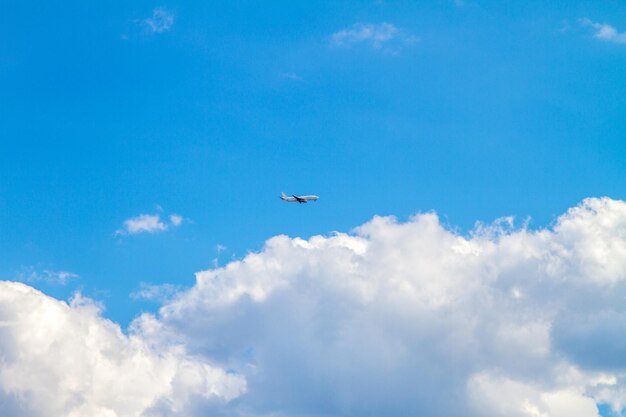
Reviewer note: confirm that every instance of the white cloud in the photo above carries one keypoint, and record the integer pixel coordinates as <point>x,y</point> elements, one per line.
<point>379,36</point>
<point>414,319</point>
<point>396,318</point>
<point>67,361</point>
<point>605,32</point>
<point>144,223</point>
<point>148,223</point>
<point>176,220</point>
<point>517,399</point>
<point>161,20</point>
<point>161,293</point>
<point>30,274</point>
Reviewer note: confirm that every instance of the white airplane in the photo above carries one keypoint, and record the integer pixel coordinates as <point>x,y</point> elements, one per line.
<point>298,198</point>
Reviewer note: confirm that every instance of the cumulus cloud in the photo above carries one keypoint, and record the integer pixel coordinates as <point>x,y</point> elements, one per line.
<point>148,223</point>
<point>161,20</point>
<point>379,36</point>
<point>65,360</point>
<point>506,397</point>
<point>394,318</point>
<point>414,319</point>
<point>604,31</point>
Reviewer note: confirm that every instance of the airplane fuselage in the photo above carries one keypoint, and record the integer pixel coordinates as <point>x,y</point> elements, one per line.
<point>298,198</point>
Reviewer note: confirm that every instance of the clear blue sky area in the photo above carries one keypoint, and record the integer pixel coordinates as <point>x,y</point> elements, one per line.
<point>208,110</point>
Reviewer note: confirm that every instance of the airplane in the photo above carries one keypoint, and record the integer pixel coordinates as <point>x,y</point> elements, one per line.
<point>298,198</point>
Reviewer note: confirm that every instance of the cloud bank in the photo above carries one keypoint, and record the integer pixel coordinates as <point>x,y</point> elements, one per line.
<point>395,319</point>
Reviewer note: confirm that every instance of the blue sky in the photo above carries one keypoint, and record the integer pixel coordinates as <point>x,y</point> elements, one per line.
<point>494,109</point>
<point>208,110</point>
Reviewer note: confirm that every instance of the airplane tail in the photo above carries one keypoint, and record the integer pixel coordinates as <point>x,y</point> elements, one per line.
<point>283,196</point>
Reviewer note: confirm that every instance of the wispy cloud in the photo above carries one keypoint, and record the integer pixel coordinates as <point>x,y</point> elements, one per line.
<point>604,32</point>
<point>376,35</point>
<point>160,293</point>
<point>161,20</point>
<point>31,275</point>
<point>176,219</point>
<point>149,223</point>
<point>384,36</point>
<point>291,76</point>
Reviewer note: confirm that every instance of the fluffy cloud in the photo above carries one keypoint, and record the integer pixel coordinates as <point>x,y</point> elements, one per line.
<point>65,360</point>
<point>506,397</point>
<point>148,223</point>
<point>414,319</point>
<point>376,35</point>
<point>605,32</point>
<point>395,318</point>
